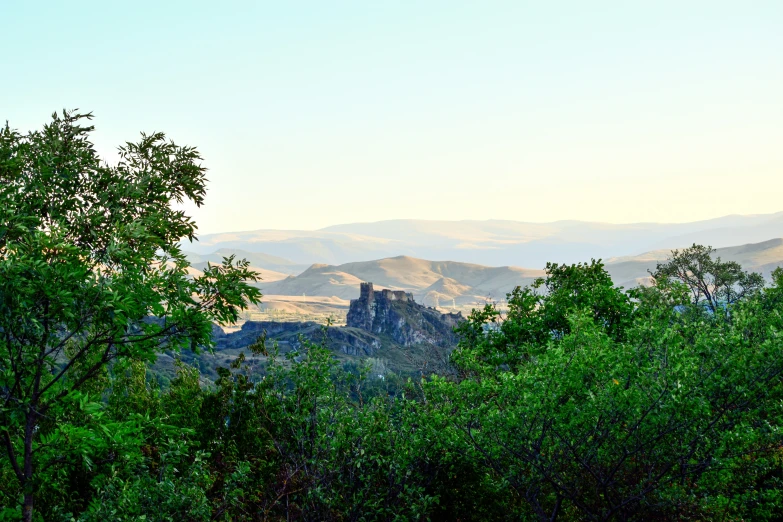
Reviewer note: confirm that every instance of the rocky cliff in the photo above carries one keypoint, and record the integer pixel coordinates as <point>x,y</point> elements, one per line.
<point>379,322</point>
<point>396,315</point>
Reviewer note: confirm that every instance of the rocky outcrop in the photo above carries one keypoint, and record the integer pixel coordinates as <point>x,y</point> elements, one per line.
<point>396,315</point>
<point>351,341</point>
<point>378,319</point>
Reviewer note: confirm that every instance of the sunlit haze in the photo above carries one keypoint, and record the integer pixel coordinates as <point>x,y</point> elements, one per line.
<point>310,114</point>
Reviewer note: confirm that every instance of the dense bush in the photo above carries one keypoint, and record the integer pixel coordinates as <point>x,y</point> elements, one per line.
<point>668,411</point>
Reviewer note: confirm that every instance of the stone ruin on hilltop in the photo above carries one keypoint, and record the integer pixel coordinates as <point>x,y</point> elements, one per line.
<point>394,313</point>
<point>376,320</point>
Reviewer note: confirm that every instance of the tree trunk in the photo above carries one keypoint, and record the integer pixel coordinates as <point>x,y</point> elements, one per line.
<point>27,508</point>
<point>27,485</point>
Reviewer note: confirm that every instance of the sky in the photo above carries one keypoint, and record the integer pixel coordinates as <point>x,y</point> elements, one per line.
<point>310,114</point>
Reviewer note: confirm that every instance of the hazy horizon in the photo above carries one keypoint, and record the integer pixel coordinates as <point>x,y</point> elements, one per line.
<point>531,222</point>
<point>311,114</point>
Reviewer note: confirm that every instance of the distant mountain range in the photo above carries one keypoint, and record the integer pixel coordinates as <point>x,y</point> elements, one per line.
<point>452,282</point>
<point>490,243</point>
<point>271,268</point>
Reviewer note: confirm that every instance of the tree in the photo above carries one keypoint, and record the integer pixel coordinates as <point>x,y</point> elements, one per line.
<point>91,272</point>
<point>714,283</point>
<point>669,417</point>
<point>540,313</point>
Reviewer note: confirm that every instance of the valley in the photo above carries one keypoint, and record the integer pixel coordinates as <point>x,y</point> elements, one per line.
<point>320,291</point>
<point>299,300</point>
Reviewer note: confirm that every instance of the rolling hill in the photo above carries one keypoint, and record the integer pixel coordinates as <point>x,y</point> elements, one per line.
<point>446,291</point>
<point>761,257</point>
<point>454,282</point>
<point>463,282</point>
<point>444,282</point>
<point>272,264</point>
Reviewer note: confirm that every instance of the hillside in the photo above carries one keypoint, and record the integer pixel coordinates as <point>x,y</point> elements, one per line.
<point>464,282</point>
<point>761,257</point>
<point>265,274</point>
<point>447,291</point>
<point>269,263</point>
<point>326,290</point>
<point>299,304</point>
<point>491,242</point>
<point>318,280</point>
<point>442,283</point>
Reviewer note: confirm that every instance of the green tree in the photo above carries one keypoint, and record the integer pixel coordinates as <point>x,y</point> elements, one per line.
<point>712,282</point>
<point>91,272</point>
<point>161,474</point>
<point>677,416</point>
<point>541,313</point>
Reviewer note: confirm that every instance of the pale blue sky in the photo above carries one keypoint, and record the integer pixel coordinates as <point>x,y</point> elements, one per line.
<point>310,114</point>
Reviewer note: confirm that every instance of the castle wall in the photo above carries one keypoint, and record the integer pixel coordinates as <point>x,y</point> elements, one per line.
<point>396,295</point>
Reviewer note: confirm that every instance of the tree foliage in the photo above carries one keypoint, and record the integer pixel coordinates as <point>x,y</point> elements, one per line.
<point>91,272</point>
<point>676,414</point>
<point>714,283</point>
<point>542,313</point>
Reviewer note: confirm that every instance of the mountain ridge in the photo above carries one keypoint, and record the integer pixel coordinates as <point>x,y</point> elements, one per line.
<point>489,242</point>
<point>465,283</point>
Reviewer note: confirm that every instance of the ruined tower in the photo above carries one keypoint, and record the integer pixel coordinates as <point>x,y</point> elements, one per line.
<point>394,313</point>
